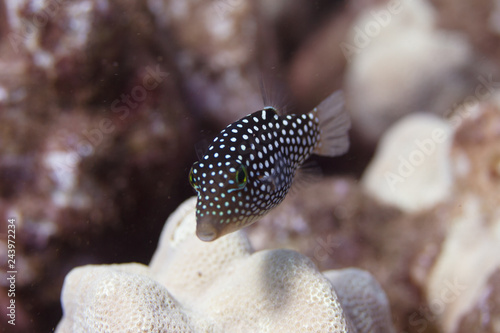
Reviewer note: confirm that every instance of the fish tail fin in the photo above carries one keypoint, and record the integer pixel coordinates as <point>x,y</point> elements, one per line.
<point>334,123</point>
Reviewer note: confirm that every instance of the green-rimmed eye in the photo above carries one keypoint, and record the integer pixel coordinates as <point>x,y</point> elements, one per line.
<point>191,179</point>
<point>241,177</point>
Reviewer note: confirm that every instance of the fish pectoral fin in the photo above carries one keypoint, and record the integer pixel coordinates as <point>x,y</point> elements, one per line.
<point>268,180</point>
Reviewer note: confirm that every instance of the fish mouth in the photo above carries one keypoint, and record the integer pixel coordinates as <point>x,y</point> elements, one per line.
<point>206,231</point>
<point>206,236</point>
<point>209,229</point>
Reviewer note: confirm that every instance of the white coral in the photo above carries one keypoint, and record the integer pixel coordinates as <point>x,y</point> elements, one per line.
<point>221,286</point>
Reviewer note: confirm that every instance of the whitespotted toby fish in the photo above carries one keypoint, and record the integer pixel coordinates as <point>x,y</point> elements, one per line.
<point>249,167</point>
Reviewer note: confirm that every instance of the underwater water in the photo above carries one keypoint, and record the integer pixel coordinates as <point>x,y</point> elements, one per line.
<point>106,105</point>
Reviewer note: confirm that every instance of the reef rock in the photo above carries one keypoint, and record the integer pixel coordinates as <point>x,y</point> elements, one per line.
<point>219,53</point>
<point>398,61</point>
<point>462,287</point>
<point>93,131</point>
<point>412,166</point>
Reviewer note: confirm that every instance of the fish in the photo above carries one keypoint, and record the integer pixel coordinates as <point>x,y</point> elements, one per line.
<point>250,166</point>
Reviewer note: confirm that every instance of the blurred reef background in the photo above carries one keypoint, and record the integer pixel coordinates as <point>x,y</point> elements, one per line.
<point>104,103</point>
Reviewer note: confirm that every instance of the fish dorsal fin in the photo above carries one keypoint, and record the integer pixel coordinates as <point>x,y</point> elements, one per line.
<point>201,148</point>
<point>334,124</point>
<point>273,96</point>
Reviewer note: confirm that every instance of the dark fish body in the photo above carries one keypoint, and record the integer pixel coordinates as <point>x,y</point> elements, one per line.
<point>249,167</point>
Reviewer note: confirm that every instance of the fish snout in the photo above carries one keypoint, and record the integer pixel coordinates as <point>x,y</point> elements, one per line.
<point>209,228</point>
<point>206,229</point>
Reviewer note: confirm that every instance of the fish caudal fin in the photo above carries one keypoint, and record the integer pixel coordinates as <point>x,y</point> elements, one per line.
<point>334,123</point>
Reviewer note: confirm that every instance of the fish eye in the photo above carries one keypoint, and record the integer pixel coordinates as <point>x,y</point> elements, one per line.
<point>241,177</point>
<point>191,179</point>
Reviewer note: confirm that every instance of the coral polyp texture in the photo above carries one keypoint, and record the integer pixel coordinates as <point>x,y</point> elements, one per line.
<point>221,286</point>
